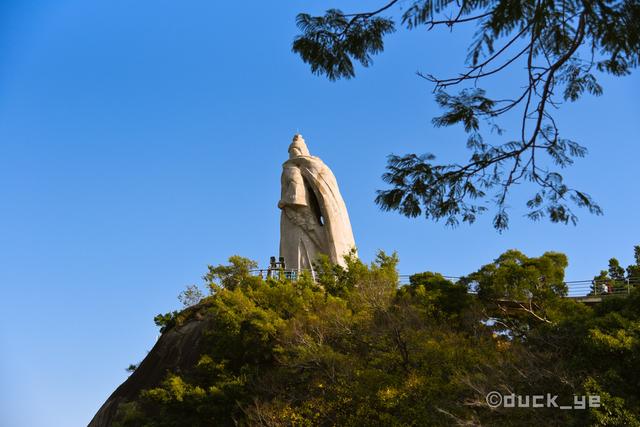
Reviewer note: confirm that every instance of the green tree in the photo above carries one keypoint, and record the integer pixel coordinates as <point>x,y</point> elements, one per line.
<point>190,296</point>
<point>520,292</point>
<point>633,271</point>
<point>561,46</point>
<point>441,297</point>
<point>230,276</point>
<point>369,352</point>
<point>616,272</point>
<point>617,275</point>
<point>617,278</point>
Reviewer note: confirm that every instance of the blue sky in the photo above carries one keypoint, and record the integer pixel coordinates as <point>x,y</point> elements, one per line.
<point>141,141</point>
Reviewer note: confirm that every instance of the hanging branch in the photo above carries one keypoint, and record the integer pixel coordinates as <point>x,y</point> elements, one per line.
<point>549,39</point>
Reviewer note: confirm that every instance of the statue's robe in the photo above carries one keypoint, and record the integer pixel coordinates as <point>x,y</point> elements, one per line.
<point>314,218</point>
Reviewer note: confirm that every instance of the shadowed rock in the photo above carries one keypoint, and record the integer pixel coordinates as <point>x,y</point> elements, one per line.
<point>177,349</point>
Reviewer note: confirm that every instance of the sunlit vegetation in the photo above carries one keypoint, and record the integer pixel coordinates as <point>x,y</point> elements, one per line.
<point>355,348</point>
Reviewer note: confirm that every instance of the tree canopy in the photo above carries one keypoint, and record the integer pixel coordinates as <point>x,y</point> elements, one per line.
<point>561,46</point>
<point>356,349</point>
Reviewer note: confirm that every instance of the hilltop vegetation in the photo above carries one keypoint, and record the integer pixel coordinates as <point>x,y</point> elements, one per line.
<point>357,349</point>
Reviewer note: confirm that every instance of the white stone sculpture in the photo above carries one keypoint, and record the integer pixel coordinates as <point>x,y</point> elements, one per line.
<point>314,218</point>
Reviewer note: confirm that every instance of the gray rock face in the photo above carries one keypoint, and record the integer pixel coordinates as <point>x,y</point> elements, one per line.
<point>314,218</point>
<point>177,349</point>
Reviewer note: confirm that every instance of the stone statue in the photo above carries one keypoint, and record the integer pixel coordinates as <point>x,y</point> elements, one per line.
<point>314,218</point>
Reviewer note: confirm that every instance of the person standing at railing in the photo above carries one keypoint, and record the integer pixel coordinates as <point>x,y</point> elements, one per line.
<point>604,288</point>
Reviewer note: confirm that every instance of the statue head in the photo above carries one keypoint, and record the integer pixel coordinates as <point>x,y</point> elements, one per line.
<point>298,147</point>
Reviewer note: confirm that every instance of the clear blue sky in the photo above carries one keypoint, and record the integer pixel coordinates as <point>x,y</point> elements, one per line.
<point>142,140</point>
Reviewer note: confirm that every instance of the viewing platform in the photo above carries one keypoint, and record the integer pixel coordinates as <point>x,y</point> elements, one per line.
<point>585,291</point>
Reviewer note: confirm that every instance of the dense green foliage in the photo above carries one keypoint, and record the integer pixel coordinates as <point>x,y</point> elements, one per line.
<point>556,49</point>
<point>357,349</point>
<point>618,278</point>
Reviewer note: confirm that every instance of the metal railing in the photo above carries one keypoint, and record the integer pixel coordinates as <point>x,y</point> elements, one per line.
<point>280,273</point>
<point>576,288</point>
<point>600,288</point>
